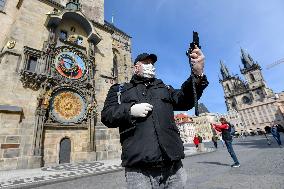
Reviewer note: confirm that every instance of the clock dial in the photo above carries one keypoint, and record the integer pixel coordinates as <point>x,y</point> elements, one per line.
<point>70,63</point>
<point>68,107</point>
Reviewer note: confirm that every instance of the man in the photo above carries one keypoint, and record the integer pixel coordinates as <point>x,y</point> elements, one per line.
<point>227,137</point>
<point>275,133</point>
<point>143,111</point>
<point>215,140</point>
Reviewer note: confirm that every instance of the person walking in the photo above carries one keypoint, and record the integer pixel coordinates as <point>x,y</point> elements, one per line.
<point>200,138</point>
<point>143,110</point>
<point>196,141</point>
<point>214,140</point>
<point>275,133</point>
<point>227,137</point>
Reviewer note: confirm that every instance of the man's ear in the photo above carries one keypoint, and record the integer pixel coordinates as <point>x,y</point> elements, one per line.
<point>136,69</point>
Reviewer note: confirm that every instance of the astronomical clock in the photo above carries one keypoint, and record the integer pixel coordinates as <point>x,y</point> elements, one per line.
<point>68,104</point>
<point>70,63</point>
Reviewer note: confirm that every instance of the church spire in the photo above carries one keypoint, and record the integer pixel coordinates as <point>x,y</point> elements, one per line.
<point>247,60</point>
<point>224,71</point>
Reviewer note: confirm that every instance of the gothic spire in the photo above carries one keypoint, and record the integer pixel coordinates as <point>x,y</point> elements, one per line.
<point>247,60</point>
<point>224,70</point>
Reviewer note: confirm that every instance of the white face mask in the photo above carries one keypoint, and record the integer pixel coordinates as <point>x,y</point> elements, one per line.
<point>148,70</point>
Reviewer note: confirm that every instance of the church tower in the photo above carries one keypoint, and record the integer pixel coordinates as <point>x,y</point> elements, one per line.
<point>253,76</point>
<point>232,86</point>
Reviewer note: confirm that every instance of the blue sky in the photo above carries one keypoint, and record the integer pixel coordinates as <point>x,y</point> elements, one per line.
<point>164,27</point>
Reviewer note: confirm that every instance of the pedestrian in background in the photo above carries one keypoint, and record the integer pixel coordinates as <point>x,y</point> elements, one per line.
<point>200,139</point>
<point>196,141</point>
<point>215,140</point>
<point>227,137</point>
<point>275,133</point>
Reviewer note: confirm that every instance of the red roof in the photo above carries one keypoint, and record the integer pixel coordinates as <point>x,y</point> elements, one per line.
<point>182,118</point>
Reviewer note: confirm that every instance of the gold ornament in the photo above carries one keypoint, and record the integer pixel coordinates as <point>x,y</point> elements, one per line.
<point>11,44</point>
<point>46,99</point>
<point>67,105</point>
<point>73,38</point>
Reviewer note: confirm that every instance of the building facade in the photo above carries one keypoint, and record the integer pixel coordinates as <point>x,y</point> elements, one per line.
<point>58,59</point>
<point>202,124</point>
<point>257,105</point>
<point>186,127</point>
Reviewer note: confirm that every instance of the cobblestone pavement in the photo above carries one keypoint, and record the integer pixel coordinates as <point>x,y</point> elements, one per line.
<point>27,178</point>
<point>262,167</point>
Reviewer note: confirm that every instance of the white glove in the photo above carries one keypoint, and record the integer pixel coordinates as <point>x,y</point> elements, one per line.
<point>140,110</point>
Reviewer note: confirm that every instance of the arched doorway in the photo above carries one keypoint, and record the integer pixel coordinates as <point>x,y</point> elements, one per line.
<point>65,151</point>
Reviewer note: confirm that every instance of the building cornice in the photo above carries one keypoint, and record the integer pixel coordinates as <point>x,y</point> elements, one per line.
<point>53,4</point>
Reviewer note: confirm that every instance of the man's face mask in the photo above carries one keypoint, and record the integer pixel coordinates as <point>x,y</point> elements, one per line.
<point>148,70</point>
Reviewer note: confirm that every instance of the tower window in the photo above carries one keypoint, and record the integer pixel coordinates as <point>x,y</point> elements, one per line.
<point>2,4</point>
<point>252,78</point>
<point>228,88</point>
<point>246,100</point>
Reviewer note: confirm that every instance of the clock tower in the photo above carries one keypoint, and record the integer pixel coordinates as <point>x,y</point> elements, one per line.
<point>56,67</point>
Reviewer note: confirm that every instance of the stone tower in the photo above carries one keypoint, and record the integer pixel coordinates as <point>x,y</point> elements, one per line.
<point>233,86</point>
<point>58,59</point>
<point>253,76</point>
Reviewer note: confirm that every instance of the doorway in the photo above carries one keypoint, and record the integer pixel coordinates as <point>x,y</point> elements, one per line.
<point>65,151</point>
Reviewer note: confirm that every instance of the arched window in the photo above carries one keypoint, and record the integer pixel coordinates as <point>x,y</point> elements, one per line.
<point>252,78</point>
<point>115,68</point>
<point>228,88</point>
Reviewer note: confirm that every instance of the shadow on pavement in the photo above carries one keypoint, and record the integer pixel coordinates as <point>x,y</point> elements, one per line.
<point>214,163</point>
<point>259,142</point>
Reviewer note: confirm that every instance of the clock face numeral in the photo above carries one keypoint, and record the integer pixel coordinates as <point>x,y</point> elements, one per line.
<point>70,64</point>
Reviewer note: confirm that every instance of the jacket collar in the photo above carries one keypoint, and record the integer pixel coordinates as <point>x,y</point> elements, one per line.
<point>151,81</point>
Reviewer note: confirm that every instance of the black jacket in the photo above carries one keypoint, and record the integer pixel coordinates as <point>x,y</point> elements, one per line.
<point>144,140</point>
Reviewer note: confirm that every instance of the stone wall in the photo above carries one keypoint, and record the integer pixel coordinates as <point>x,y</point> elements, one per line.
<point>94,10</point>
<point>107,140</point>
<point>26,26</point>
<point>79,145</point>
<point>15,141</point>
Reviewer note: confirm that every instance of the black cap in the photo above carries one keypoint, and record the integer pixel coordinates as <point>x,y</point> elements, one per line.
<point>145,56</point>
